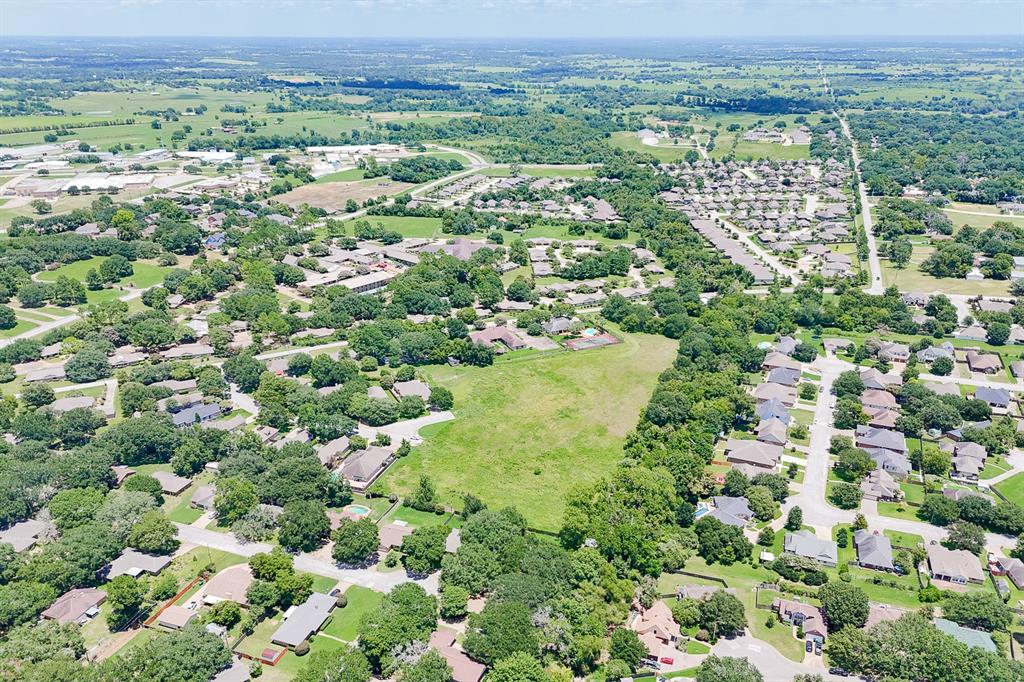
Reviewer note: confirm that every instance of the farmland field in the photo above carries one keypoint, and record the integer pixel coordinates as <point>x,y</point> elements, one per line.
<point>527,430</point>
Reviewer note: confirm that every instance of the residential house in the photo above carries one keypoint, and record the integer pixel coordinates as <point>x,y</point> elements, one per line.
<point>932,353</point>
<point>956,566</point>
<point>134,564</point>
<point>784,394</point>
<point>362,467</point>
<point>894,352</point>
<point>986,363</point>
<point>880,485</point>
<point>304,620</point>
<point>1013,569</point>
<point>196,414</point>
<point>203,496</point>
<point>491,335</point>
<point>775,360</point>
<point>784,376</point>
<point>874,550</point>
<point>75,606</point>
<point>171,484</point>
<point>877,399</point>
<point>756,453</point>
<point>176,617</point>
<point>804,543</point>
<point>414,387</point>
<point>658,631</point>
<point>732,511</point>
<point>997,398</point>
<point>975,639</point>
<point>772,431</point>
<point>773,409</point>
<point>884,439</point>
<point>229,584</point>
<point>896,464</point>
<point>464,668</point>
<point>804,616</point>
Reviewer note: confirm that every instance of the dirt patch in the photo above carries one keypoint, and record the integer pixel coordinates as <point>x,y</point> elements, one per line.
<point>332,196</point>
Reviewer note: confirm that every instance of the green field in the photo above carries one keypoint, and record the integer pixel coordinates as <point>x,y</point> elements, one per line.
<point>914,280</point>
<point>345,622</point>
<point>342,176</point>
<point>528,429</point>
<point>146,274</point>
<point>1013,489</point>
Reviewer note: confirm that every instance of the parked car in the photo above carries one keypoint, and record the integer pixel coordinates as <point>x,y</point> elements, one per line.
<point>809,646</point>
<point>817,648</point>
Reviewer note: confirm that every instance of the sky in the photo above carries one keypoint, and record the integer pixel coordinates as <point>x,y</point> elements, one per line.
<point>511,18</point>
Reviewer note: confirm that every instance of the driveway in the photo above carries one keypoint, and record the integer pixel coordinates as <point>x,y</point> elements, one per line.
<point>774,666</point>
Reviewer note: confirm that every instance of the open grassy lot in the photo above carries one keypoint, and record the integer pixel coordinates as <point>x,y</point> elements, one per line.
<point>146,274</point>
<point>332,196</point>
<point>914,280</point>
<point>341,176</point>
<point>541,172</point>
<point>408,226</point>
<point>345,622</point>
<point>527,430</point>
<point>1013,488</point>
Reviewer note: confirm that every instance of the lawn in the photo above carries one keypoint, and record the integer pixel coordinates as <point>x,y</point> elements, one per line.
<point>408,226</point>
<point>145,275</point>
<point>415,517</point>
<point>23,325</point>
<point>907,540</point>
<point>342,176</point>
<point>531,427</point>
<point>345,622</point>
<point>1013,488</point>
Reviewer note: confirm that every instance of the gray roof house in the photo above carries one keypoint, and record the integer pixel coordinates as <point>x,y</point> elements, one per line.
<point>867,437</point>
<point>954,565</point>
<point>733,511</point>
<point>874,550</point>
<point>1014,570</point>
<point>933,353</point>
<point>773,409</point>
<point>784,376</point>
<point>362,467</point>
<point>996,397</point>
<point>896,464</point>
<point>804,543</point>
<point>135,563</point>
<point>772,431</point>
<point>304,620</point>
<point>196,414</point>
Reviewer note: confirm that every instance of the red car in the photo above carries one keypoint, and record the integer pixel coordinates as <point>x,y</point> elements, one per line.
<point>668,661</point>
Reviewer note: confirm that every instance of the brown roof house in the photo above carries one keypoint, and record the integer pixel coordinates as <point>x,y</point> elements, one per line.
<point>658,631</point>
<point>757,453</point>
<point>76,606</point>
<point>464,668</point>
<point>987,363</point>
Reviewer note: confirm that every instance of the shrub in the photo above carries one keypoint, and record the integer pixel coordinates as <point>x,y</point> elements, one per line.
<point>302,648</point>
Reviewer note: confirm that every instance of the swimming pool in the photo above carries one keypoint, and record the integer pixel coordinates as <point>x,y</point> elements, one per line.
<point>357,510</point>
<point>590,331</point>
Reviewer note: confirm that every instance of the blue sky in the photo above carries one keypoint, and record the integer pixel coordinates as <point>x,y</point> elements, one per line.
<point>511,18</point>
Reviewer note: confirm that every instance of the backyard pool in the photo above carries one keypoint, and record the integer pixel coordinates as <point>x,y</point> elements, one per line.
<point>590,331</point>
<point>356,510</point>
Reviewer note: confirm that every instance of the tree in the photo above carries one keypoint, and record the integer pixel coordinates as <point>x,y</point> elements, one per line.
<point>22,601</point>
<point>854,464</point>
<point>73,507</point>
<point>454,601</point>
<point>722,615</point>
<point>997,333</point>
<point>187,655</point>
<point>848,383</point>
<point>845,495</point>
<point>425,496</point>
<point>40,206</point>
<point>335,665</point>
<point>125,595</point>
<point>154,534</point>
<point>236,497</point>
<point>269,565</point>
<point>144,483</point>
<point>424,548</point>
<point>500,630</point>
<point>405,615</point>
<point>8,320</point>
<point>849,414</point>
<point>67,292</point>
<point>304,525</point>
<point>762,504</point>
<point>519,667</point>
<point>942,367</point>
<point>431,667</point>
<point>725,669</point>
<point>795,519</point>
<point>43,641</point>
<point>966,535</point>
<point>37,395</point>
<point>441,398</point>
<point>766,538</point>
<point>721,543</point>
<point>938,509</point>
<point>627,647</point>
<point>843,605</point>
<point>355,541</point>
<point>983,610</point>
